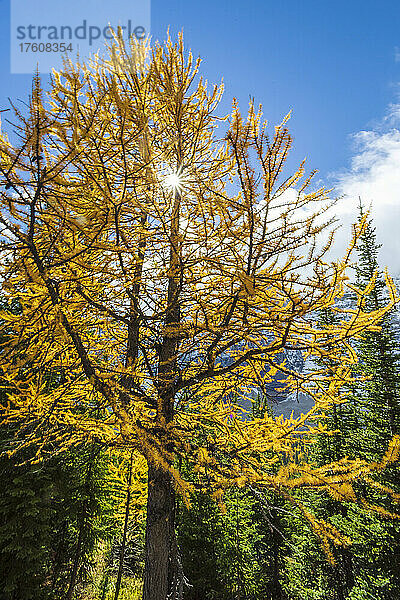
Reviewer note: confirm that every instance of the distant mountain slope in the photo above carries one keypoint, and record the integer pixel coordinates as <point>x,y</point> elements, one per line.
<point>303,403</point>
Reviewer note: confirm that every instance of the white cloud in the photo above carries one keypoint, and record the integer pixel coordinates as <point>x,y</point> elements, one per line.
<point>374,176</point>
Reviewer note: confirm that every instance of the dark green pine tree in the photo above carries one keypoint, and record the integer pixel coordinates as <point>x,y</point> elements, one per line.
<point>26,519</point>
<point>377,554</point>
<point>82,518</point>
<point>369,568</point>
<point>234,554</point>
<point>26,514</point>
<point>51,512</point>
<point>379,357</point>
<point>51,518</point>
<point>308,573</point>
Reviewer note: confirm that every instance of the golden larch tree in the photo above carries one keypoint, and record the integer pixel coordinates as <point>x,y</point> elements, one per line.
<point>165,262</point>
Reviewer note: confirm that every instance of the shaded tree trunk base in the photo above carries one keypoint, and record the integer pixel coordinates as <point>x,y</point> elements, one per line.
<point>160,544</point>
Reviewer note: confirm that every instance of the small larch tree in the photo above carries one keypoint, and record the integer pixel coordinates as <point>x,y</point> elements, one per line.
<point>166,262</point>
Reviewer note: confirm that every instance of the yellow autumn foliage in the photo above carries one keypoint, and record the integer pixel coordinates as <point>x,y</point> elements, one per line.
<point>165,306</point>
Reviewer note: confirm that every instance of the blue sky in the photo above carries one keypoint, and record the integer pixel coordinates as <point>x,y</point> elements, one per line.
<point>335,64</point>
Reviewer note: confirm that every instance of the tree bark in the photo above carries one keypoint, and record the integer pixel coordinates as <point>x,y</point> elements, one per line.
<point>160,532</point>
<point>161,561</point>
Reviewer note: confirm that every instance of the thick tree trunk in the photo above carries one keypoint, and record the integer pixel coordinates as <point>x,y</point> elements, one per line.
<point>161,560</point>
<point>160,532</point>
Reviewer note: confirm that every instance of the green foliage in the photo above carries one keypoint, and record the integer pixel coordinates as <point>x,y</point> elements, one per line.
<point>256,548</point>
<point>368,569</point>
<point>230,553</point>
<point>26,517</point>
<point>82,514</point>
<point>43,507</point>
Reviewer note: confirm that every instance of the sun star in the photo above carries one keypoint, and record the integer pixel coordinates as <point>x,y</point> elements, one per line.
<point>173,181</point>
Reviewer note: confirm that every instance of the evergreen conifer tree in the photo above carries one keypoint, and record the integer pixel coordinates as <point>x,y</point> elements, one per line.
<point>361,426</point>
